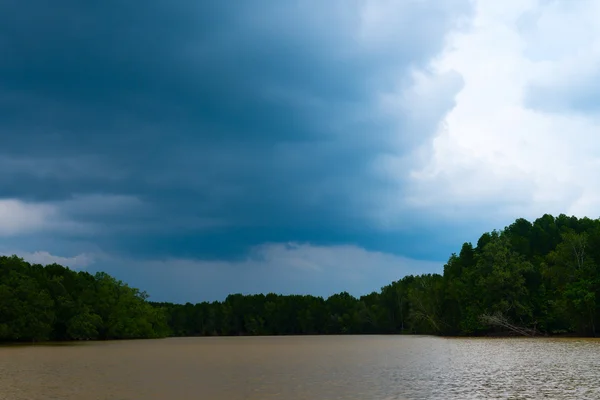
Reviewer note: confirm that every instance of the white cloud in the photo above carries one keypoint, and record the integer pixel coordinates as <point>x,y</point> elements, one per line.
<point>287,268</point>
<point>18,217</point>
<point>494,156</point>
<point>386,25</point>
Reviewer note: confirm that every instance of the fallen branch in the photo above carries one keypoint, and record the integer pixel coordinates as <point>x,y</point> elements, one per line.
<point>497,319</point>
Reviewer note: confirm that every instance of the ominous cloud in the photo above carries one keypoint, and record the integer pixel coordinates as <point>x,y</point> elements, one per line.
<point>162,139</point>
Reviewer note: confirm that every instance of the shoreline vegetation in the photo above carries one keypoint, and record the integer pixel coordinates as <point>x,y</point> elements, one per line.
<point>529,279</point>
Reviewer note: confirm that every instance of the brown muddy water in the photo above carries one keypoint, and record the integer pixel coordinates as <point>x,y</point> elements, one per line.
<point>307,367</point>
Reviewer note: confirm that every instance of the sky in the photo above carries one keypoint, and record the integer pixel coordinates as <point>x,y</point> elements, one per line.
<point>197,149</point>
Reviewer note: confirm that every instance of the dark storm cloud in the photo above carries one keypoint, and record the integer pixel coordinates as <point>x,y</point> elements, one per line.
<point>209,128</point>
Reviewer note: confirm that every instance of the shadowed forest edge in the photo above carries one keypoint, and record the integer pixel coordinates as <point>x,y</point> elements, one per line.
<point>540,278</point>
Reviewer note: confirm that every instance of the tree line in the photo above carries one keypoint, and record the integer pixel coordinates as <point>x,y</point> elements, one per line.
<point>529,278</point>
<point>40,303</point>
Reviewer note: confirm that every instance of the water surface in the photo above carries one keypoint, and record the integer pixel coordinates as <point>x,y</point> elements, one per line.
<point>305,367</point>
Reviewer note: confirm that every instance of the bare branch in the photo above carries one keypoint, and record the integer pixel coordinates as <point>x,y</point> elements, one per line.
<point>497,319</point>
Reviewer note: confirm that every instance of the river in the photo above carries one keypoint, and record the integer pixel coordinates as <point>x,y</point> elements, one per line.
<point>304,367</point>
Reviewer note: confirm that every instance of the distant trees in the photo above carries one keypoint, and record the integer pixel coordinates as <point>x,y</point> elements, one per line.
<point>530,278</point>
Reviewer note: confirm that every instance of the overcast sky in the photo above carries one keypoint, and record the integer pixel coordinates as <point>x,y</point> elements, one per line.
<point>199,148</point>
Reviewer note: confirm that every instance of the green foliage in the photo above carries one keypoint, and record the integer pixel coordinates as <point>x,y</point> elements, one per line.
<point>541,277</point>
<point>84,326</point>
<point>55,303</point>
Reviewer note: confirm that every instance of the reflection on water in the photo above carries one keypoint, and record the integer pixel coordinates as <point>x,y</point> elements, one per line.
<point>316,368</point>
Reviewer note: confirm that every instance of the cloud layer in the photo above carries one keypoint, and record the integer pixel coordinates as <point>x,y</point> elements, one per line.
<point>285,268</point>
<point>522,139</point>
<point>192,141</point>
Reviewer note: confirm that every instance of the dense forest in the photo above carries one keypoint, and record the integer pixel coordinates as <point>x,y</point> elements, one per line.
<point>528,279</point>
<point>55,303</point>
